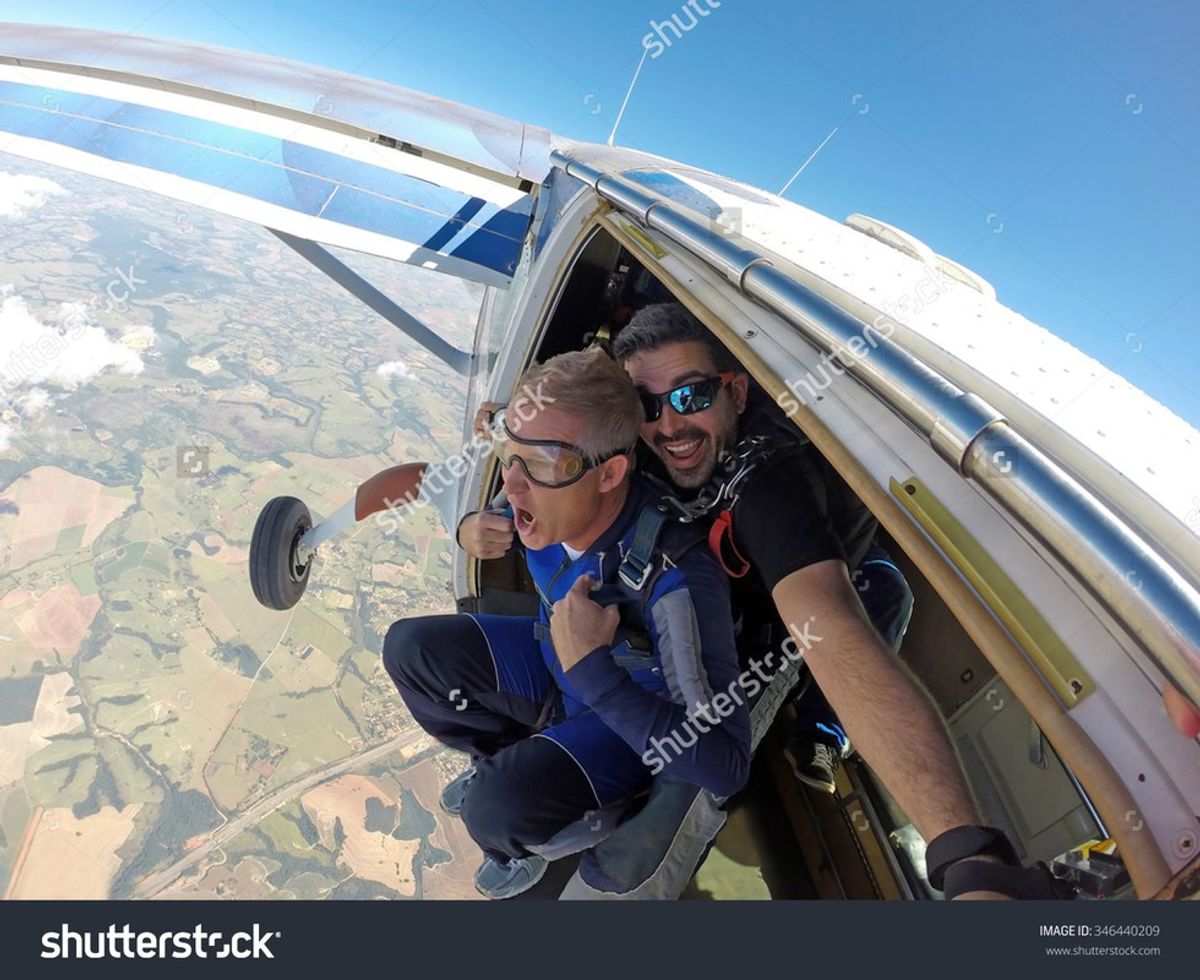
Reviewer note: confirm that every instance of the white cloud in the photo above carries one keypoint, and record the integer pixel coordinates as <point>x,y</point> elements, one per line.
<point>393,369</point>
<point>5,433</point>
<point>67,350</point>
<point>34,402</point>
<point>21,193</point>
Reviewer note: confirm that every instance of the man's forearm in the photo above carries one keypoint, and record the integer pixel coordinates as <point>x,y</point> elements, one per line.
<point>894,724</point>
<point>709,747</point>
<point>888,715</point>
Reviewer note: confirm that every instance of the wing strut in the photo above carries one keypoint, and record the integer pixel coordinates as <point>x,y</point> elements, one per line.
<point>358,287</point>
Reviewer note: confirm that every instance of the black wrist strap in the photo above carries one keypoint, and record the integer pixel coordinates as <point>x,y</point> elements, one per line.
<point>1031,883</point>
<point>963,842</point>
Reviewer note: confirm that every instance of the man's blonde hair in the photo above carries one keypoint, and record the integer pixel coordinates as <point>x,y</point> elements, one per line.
<point>591,386</point>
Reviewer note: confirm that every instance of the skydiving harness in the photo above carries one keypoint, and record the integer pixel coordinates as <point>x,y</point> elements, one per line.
<point>723,491</point>
<point>657,542</point>
<point>665,529</point>
<point>638,565</point>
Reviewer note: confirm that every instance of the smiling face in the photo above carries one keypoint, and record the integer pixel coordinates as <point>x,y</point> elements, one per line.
<point>577,514</point>
<point>688,445</point>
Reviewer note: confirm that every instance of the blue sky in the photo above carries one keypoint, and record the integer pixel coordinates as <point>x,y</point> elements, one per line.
<point>1074,124</point>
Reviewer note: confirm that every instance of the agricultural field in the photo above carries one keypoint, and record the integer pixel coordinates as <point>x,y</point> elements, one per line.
<point>153,717</point>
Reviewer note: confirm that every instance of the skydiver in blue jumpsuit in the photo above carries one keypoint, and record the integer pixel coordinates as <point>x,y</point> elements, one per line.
<point>630,667</point>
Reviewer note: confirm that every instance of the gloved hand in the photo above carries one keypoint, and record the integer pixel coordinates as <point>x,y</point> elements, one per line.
<point>981,862</point>
<point>1005,880</point>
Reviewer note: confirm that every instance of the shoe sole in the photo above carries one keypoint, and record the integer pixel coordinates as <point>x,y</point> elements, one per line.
<point>520,891</point>
<point>448,810</point>
<point>817,784</point>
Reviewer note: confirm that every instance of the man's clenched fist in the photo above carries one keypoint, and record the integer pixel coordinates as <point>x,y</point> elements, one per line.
<point>578,624</point>
<point>485,534</point>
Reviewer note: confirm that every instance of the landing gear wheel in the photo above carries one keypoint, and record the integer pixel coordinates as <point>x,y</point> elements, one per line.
<point>277,576</point>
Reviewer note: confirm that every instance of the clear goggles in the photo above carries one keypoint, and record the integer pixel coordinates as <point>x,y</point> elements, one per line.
<point>546,462</point>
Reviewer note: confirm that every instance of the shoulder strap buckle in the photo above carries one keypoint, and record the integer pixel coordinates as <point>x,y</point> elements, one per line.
<point>637,563</point>
<point>626,574</point>
<point>684,513</point>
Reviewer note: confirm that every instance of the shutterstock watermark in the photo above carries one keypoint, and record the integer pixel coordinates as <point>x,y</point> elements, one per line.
<point>746,686</point>
<point>833,364</point>
<point>1193,516</point>
<point>123,943</point>
<point>932,285</point>
<point>656,41</point>
<point>192,462</point>
<point>121,288</point>
<point>524,408</point>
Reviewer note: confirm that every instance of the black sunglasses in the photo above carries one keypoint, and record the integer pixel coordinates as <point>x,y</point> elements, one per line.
<point>687,399</point>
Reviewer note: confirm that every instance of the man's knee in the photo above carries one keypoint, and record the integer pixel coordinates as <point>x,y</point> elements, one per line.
<point>495,811</point>
<point>406,649</point>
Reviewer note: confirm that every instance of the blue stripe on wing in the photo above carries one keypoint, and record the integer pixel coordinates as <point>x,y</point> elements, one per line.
<point>280,172</point>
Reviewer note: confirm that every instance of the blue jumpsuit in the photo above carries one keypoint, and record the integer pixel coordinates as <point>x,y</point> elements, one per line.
<point>550,745</point>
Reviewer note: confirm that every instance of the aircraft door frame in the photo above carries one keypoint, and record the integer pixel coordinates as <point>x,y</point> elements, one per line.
<point>524,312</point>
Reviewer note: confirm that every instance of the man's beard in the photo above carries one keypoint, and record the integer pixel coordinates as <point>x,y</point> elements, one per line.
<point>692,477</point>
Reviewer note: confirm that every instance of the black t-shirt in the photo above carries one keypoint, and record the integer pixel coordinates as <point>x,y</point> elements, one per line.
<point>795,510</point>
<point>781,521</point>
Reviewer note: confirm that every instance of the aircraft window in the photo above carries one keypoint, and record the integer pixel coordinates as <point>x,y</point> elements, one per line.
<point>492,326</point>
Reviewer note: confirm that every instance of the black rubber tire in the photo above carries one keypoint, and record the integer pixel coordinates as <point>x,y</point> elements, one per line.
<point>277,578</point>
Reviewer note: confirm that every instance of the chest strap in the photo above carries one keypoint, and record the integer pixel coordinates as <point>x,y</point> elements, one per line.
<point>646,557</point>
<point>605,595</point>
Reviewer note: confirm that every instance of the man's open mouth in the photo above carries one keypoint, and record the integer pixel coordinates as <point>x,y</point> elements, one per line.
<point>683,452</point>
<point>523,520</point>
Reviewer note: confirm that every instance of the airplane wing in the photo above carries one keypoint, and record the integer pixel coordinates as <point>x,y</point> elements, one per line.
<point>316,155</point>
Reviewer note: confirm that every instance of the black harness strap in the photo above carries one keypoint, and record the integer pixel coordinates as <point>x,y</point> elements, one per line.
<point>664,539</point>
<point>638,561</point>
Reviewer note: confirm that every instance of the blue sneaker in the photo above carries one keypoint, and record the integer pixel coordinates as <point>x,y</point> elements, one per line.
<point>456,791</point>
<point>503,879</point>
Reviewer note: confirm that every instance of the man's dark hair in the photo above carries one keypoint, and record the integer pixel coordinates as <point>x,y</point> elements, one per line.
<point>659,324</point>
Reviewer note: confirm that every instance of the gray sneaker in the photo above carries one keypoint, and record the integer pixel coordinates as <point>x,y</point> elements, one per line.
<point>456,791</point>
<point>497,880</point>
